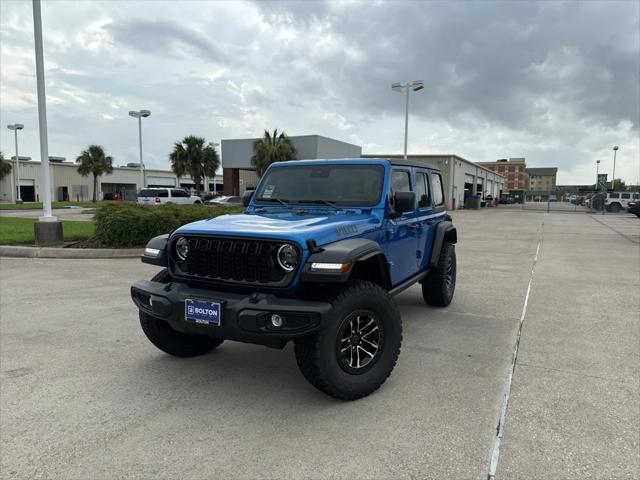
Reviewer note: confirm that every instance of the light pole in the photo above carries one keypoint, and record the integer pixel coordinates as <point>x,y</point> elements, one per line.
<point>613,178</point>
<point>215,185</point>
<point>140,114</point>
<point>15,127</point>
<point>597,173</point>
<point>400,87</point>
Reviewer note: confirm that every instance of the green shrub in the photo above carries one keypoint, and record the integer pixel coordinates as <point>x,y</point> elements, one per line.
<point>130,225</point>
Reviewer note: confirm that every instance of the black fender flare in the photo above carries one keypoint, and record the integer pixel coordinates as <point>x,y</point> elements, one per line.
<point>155,252</point>
<point>349,251</point>
<point>445,231</point>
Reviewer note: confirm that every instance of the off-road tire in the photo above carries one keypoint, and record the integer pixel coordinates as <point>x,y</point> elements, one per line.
<point>317,355</point>
<point>614,207</point>
<point>170,341</point>
<point>440,283</point>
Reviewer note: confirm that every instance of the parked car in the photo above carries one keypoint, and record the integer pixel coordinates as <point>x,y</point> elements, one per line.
<point>616,201</point>
<point>231,201</point>
<point>160,196</point>
<point>573,199</point>
<point>634,207</point>
<point>316,258</point>
<point>112,196</point>
<point>206,196</point>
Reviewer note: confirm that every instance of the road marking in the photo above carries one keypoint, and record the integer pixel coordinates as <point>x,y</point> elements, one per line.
<point>495,452</point>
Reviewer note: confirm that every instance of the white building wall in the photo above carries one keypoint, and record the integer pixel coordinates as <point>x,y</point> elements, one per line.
<point>66,175</point>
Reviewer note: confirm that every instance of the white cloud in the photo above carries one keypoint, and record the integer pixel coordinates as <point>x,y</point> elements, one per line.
<point>502,79</point>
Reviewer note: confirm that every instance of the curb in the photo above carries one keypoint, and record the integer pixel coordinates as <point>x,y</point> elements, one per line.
<point>17,251</point>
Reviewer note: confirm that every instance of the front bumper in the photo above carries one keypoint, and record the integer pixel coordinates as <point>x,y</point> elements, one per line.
<point>245,317</point>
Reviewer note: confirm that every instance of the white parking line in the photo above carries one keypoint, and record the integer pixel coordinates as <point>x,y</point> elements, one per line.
<point>495,453</point>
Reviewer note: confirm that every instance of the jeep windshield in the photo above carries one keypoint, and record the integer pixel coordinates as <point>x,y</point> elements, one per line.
<point>330,185</point>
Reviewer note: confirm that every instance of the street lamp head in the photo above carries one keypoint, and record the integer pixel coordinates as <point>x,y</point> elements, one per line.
<point>417,85</point>
<point>615,148</point>
<point>138,114</point>
<point>597,161</point>
<point>397,87</point>
<point>15,126</point>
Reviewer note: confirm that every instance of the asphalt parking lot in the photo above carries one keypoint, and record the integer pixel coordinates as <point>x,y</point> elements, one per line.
<point>84,395</point>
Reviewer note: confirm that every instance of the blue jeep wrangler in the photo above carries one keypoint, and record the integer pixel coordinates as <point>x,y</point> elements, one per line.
<point>316,258</point>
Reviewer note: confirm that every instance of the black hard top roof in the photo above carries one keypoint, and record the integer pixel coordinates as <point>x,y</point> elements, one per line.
<point>411,163</point>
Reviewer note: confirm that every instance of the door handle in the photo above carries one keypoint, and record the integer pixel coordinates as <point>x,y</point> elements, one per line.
<point>414,226</point>
<point>431,221</point>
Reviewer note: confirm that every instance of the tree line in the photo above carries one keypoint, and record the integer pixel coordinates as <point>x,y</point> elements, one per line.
<point>192,156</point>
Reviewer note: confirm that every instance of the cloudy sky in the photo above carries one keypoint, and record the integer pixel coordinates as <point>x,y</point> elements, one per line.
<point>557,83</point>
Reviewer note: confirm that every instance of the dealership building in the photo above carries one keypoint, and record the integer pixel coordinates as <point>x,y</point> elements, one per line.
<point>68,184</point>
<point>239,174</point>
<point>461,177</point>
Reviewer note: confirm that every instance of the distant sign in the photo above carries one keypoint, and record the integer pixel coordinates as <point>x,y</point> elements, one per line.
<point>602,181</point>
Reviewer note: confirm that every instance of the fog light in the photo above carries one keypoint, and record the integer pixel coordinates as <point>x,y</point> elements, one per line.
<point>276,320</point>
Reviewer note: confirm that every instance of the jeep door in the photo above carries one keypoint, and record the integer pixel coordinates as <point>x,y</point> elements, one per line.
<point>426,218</point>
<point>401,231</point>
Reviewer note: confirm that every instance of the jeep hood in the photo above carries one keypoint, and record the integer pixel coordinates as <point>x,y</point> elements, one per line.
<point>323,227</point>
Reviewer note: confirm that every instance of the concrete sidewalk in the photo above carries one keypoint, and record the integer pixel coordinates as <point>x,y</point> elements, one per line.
<point>78,214</point>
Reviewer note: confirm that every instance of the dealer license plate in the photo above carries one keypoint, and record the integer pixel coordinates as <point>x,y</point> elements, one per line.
<point>208,313</point>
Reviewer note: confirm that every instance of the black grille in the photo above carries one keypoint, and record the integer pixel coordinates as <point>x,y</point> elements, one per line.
<point>234,260</point>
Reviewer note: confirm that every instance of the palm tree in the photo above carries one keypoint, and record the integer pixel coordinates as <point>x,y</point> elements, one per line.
<point>271,148</point>
<point>5,167</point>
<point>193,155</point>
<point>93,161</point>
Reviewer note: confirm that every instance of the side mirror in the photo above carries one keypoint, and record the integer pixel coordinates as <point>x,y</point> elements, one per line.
<point>246,197</point>
<point>404,202</point>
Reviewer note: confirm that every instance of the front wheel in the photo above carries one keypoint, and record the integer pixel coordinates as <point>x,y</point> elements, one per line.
<point>614,208</point>
<point>355,354</point>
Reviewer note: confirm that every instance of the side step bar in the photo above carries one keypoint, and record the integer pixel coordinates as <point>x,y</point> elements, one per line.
<point>407,283</point>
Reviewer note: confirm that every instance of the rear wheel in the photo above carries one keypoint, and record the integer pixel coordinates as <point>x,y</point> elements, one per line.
<point>440,284</point>
<point>355,354</point>
<point>170,341</point>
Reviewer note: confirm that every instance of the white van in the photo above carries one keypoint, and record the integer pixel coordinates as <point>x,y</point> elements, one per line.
<point>617,201</point>
<point>160,196</point>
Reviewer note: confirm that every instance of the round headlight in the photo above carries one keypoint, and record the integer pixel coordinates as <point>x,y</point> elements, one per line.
<point>182,248</point>
<point>287,257</point>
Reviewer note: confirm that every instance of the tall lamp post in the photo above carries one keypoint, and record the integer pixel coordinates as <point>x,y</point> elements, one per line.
<point>15,127</point>
<point>406,87</point>
<point>140,114</point>
<point>613,177</point>
<point>48,229</point>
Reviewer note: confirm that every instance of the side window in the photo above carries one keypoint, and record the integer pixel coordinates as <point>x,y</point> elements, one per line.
<point>614,195</point>
<point>626,195</point>
<point>422,190</point>
<point>162,193</point>
<point>178,193</point>
<point>400,181</point>
<point>438,193</point>
<point>636,196</point>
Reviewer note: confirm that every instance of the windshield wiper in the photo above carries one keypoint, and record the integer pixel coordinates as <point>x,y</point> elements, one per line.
<point>326,202</point>
<point>274,200</point>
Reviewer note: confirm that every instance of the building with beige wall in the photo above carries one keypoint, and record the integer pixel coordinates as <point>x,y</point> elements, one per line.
<point>541,179</point>
<point>68,184</point>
